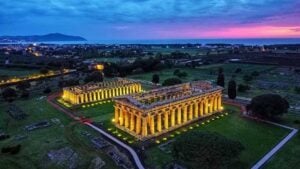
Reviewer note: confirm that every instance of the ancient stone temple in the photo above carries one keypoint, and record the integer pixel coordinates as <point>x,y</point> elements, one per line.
<point>149,114</point>
<point>93,92</point>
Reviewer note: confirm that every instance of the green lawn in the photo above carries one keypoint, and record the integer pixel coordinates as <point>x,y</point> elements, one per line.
<point>39,142</point>
<point>103,112</point>
<point>12,72</point>
<point>206,72</point>
<point>288,156</point>
<point>257,138</point>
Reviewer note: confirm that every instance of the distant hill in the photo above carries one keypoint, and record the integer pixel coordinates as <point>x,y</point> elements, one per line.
<point>41,38</point>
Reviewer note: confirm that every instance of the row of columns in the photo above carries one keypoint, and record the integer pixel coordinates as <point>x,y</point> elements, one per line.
<point>100,94</point>
<point>157,121</point>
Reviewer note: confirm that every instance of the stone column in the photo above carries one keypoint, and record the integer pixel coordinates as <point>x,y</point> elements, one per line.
<point>201,108</point>
<point>144,129</point>
<point>95,96</point>
<point>85,98</point>
<point>219,102</point>
<point>132,124</point>
<point>117,91</point>
<point>126,118</point>
<point>206,106</point>
<point>185,113</point>
<point>173,117</point>
<point>102,94</point>
<point>99,96</point>
<point>179,115</point>
<point>159,122</point>
<point>117,114</point>
<point>121,119</point>
<point>138,124</point>
<point>191,111</point>
<point>211,105</point>
<point>152,124</point>
<point>196,104</point>
<point>166,119</point>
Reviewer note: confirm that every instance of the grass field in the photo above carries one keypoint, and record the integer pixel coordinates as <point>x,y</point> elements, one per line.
<point>257,138</point>
<point>207,72</point>
<point>104,113</point>
<point>17,72</point>
<point>39,142</point>
<point>288,156</point>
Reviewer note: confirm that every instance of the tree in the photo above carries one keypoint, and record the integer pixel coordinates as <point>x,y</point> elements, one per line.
<point>171,81</point>
<point>232,89</point>
<point>47,90</point>
<point>24,94</point>
<point>255,73</point>
<point>221,78</point>
<point>182,74</point>
<point>176,72</point>
<point>155,78</point>
<point>243,88</point>
<point>94,77</point>
<point>9,94</point>
<point>238,70</point>
<point>247,78</point>
<point>44,71</point>
<point>268,106</point>
<point>297,89</point>
<point>206,150</point>
<point>23,85</point>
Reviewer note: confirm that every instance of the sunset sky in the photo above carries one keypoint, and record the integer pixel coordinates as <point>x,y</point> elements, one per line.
<point>152,19</point>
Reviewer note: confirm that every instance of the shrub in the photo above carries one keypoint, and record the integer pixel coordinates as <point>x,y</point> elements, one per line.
<point>243,88</point>
<point>171,81</point>
<point>47,90</point>
<point>268,105</point>
<point>12,149</point>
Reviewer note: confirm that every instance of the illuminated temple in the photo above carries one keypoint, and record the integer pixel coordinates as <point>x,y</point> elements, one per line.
<point>93,92</point>
<point>149,114</point>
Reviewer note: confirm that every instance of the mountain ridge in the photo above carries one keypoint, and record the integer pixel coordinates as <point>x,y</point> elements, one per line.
<point>42,38</point>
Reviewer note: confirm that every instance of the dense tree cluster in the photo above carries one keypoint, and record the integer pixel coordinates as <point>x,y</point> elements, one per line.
<point>171,81</point>
<point>206,150</point>
<point>268,106</point>
<point>9,94</point>
<point>144,65</point>
<point>155,78</point>
<point>12,149</point>
<point>95,76</point>
<point>243,88</point>
<point>180,74</point>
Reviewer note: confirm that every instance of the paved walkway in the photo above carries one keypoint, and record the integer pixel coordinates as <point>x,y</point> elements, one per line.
<point>265,158</point>
<point>69,113</point>
<point>275,149</point>
<point>131,151</point>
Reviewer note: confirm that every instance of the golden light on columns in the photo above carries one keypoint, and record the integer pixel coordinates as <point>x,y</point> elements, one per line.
<point>164,109</point>
<point>93,92</point>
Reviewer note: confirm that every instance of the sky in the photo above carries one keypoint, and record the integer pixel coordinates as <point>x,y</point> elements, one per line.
<point>152,19</point>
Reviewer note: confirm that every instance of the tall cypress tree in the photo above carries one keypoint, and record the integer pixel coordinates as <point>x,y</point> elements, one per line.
<point>221,80</point>
<point>232,89</point>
